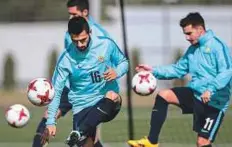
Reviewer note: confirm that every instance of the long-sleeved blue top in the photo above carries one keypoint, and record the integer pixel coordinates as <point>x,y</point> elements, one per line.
<point>210,67</point>
<point>84,71</point>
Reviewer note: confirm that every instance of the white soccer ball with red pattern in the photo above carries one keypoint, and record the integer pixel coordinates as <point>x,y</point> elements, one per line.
<point>40,92</point>
<point>144,83</point>
<point>17,116</point>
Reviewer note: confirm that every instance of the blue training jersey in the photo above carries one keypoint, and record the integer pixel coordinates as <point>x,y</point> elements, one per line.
<point>210,67</point>
<point>96,30</point>
<point>84,71</point>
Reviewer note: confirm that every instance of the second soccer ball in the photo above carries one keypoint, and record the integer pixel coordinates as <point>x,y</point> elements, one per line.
<point>144,83</point>
<point>17,116</point>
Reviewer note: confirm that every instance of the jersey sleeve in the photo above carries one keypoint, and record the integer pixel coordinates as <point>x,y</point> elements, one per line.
<point>177,70</point>
<point>224,67</point>
<point>119,60</point>
<point>59,79</point>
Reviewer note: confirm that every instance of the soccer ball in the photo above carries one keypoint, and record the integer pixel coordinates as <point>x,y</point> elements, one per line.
<point>17,116</point>
<point>144,83</point>
<point>40,92</point>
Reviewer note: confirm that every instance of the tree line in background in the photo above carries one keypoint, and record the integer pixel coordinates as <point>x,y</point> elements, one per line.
<point>10,83</point>
<point>55,10</point>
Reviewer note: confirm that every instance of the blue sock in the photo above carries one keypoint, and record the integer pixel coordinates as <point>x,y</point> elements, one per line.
<point>40,129</point>
<point>99,113</point>
<point>98,144</point>
<point>158,116</point>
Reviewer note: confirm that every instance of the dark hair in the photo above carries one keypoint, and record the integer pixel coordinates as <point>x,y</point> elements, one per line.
<point>194,19</point>
<point>77,24</point>
<point>81,4</point>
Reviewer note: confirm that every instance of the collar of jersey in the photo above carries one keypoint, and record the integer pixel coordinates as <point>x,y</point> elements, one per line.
<point>207,36</point>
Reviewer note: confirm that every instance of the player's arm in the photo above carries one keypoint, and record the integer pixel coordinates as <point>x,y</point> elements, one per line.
<point>59,78</point>
<point>119,60</point>
<point>177,70</point>
<point>224,65</point>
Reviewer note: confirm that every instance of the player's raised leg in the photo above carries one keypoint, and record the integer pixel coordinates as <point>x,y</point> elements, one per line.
<point>105,110</point>
<point>175,96</point>
<point>158,116</point>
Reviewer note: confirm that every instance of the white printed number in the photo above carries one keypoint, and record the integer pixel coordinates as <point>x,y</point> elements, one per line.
<point>208,124</point>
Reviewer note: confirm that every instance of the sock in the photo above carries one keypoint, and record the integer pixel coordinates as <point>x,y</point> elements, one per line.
<point>209,145</point>
<point>40,129</point>
<point>98,144</point>
<point>97,114</point>
<point>158,116</point>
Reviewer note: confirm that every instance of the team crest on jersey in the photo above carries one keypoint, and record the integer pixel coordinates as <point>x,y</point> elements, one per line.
<point>101,59</point>
<point>207,50</point>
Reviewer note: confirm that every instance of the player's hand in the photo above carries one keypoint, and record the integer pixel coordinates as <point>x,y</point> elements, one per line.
<point>143,67</point>
<point>51,130</point>
<point>206,96</point>
<point>110,74</point>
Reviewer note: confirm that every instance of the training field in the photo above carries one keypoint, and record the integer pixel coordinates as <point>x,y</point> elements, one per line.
<point>177,131</point>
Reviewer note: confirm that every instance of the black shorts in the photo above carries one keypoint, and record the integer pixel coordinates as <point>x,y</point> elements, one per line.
<point>206,119</point>
<point>78,119</point>
<point>186,97</point>
<point>115,111</point>
<point>83,114</point>
<point>64,106</point>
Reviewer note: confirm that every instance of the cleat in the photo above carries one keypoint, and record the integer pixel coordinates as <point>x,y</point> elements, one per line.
<point>75,138</point>
<point>144,142</point>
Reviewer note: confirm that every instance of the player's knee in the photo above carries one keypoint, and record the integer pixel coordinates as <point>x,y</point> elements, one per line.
<point>203,142</point>
<point>164,94</point>
<point>113,96</point>
<point>109,106</point>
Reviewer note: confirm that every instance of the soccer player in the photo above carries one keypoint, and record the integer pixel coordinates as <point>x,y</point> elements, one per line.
<point>206,96</point>
<point>92,65</point>
<point>75,8</point>
<point>81,8</point>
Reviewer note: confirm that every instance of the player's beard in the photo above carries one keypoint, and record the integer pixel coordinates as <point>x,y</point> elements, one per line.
<point>85,48</point>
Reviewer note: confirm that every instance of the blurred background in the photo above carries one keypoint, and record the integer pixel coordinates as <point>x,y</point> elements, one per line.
<point>32,37</point>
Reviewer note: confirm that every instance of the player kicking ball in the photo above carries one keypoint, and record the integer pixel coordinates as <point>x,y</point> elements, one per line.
<point>206,96</point>
<point>75,8</point>
<point>92,65</point>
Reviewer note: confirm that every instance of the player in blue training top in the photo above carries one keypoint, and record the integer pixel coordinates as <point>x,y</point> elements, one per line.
<point>207,95</point>
<point>75,8</point>
<point>92,65</point>
<point>81,8</point>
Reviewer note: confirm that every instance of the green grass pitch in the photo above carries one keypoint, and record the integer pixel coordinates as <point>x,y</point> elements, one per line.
<point>176,132</point>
